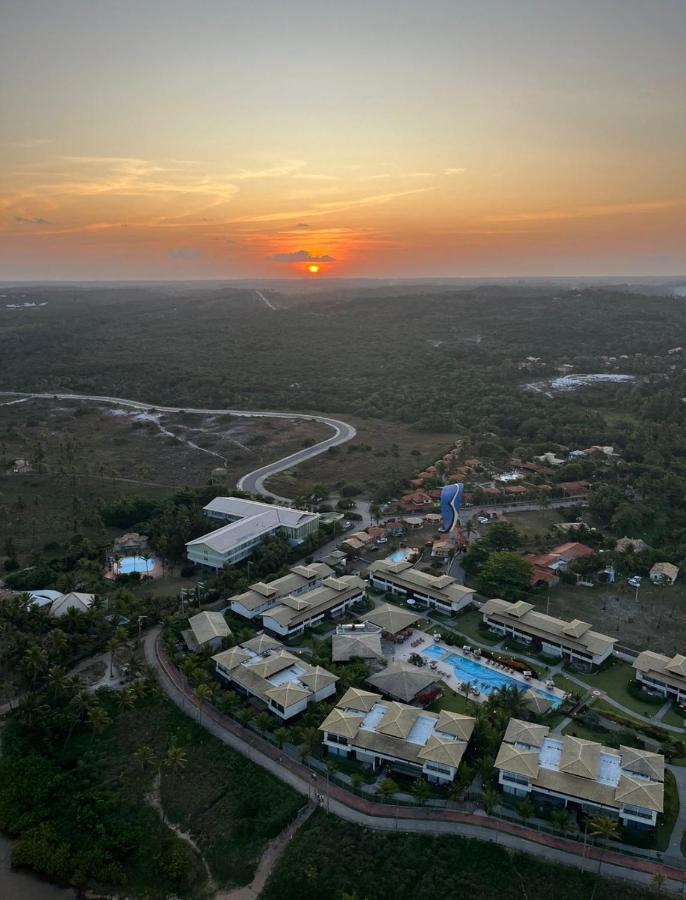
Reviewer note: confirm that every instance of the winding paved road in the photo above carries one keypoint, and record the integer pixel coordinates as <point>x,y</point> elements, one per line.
<point>252,482</point>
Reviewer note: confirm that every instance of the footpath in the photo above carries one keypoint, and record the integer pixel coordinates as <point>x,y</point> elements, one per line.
<point>385,817</point>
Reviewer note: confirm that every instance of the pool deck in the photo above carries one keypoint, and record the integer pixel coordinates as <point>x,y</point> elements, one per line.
<point>445,673</point>
<point>156,571</point>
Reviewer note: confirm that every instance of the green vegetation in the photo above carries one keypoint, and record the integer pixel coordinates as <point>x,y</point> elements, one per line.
<point>453,702</point>
<point>614,681</point>
<point>471,625</point>
<point>667,820</point>
<point>330,858</point>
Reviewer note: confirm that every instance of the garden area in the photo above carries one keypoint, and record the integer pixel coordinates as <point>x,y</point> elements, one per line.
<point>614,680</point>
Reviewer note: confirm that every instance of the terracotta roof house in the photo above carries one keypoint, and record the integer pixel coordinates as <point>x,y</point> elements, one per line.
<point>417,501</point>
<point>627,783</point>
<point>575,488</point>
<point>516,489</point>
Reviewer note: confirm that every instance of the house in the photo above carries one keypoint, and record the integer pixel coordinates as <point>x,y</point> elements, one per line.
<point>296,613</point>
<point>550,459</point>
<point>575,488</point>
<point>417,501</point>
<point>516,489</point>
<point>361,639</point>
<point>380,733</point>
<point>663,573</point>
<point>558,559</point>
<point>442,548</point>
<point>541,575</point>
<point>391,619</point>
<point>402,681</point>
<point>131,544</point>
<point>561,770</point>
<point>260,596</point>
<point>631,545</point>
<point>413,521</point>
<point>572,641</point>
<point>357,541</point>
<point>209,629</point>
<point>44,599</point>
<point>663,675</point>
<point>73,600</point>
<point>442,592</point>
<point>249,523</point>
<point>262,668</point>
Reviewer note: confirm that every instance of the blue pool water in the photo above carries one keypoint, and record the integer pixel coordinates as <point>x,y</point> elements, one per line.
<point>482,677</point>
<point>128,564</point>
<point>397,556</point>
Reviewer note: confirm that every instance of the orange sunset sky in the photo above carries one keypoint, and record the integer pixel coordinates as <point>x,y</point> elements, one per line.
<point>387,138</point>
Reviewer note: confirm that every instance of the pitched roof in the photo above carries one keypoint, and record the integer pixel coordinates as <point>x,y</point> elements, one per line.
<point>402,681</point>
<point>208,625</point>
<point>342,723</point>
<point>520,732</point>
<point>439,750</point>
<point>580,757</point>
<point>260,643</point>
<point>536,703</point>
<point>366,646</point>
<point>457,725</point>
<point>517,759</point>
<point>318,678</point>
<point>643,762</point>
<point>354,698</point>
<point>640,792</point>
<point>287,694</point>
<point>390,618</point>
<point>231,658</point>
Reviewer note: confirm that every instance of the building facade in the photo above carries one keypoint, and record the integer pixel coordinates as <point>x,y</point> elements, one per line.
<point>260,596</point>
<point>440,592</point>
<point>296,613</point>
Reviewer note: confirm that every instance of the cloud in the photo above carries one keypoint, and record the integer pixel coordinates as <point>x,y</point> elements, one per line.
<point>22,220</point>
<point>302,225</point>
<point>590,212</point>
<point>301,256</point>
<point>30,143</point>
<point>454,171</point>
<point>184,253</point>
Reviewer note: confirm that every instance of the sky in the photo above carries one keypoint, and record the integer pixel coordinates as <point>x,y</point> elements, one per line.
<point>160,139</point>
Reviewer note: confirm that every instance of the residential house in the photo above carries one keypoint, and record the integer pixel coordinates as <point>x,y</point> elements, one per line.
<point>572,641</point>
<point>562,770</point>
<point>663,573</point>
<point>209,628</point>
<point>286,684</point>
<point>332,598</point>
<point>417,501</point>
<point>262,596</point>
<point>441,592</point>
<point>575,488</point>
<point>249,523</point>
<point>407,739</point>
<point>73,600</point>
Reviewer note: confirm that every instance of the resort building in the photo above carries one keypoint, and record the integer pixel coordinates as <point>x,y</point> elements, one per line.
<point>262,668</point>
<point>294,614</point>
<point>248,524</point>
<point>208,629</point>
<point>361,640</point>
<point>566,771</point>
<point>441,592</point>
<point>73,600</point>
<point>392,620</point>
<point>260,596</point>
<point>662,675</point>
<point>410,740</point>
<point>573,641</point>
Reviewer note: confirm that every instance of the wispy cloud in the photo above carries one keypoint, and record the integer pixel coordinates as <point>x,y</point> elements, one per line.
<point>288,167</point>
<point>454,171</point>
<point>589,212</point>
<point>301,256</point>
<point>29,143</point>
<point>322,208</point>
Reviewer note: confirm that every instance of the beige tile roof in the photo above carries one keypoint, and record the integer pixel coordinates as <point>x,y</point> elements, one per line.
<point>287,694</point>
<point>643,762</point>
<point>342,723</point>
<point>404,574</point>
<point>438,750</point>
<point>398,720</point>
<point>536,703</point>
<point>231,658</point>
<point>354,698</point>
<point>580,757</point>
<point>366,646</point>
<point>573,786</point>
<point>664,668</point>
<point>517,759</point>
<point>520,732</point>
<point>318,678</point>
<point>455,724</point>
<point>333,591</point>
<point>260,643</point>
<point>390,618</point>
<point>677,666</point>
<point>525,618</point>
<point>272,664</point>
<point>208,625</point>
<point>639,792</point>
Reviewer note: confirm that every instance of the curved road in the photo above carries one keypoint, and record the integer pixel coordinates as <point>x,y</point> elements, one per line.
<point>252,482</point>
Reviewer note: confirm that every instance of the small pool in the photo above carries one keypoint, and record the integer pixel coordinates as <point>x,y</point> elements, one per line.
<point>482,677</point>
<point>128,564</point>
<point>398,556</point>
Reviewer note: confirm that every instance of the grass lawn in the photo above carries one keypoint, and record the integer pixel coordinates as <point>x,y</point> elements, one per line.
<point>536,522</point>
<point>673,716</point>
<point>613,681</point>
<point>468,624</point>
<point>566,685</point>
<point>453,703</point>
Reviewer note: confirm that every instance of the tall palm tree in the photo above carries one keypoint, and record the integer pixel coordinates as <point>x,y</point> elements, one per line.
<point>144,757</point>
<point>99,720</point>
<point>605,827</point>
<point>204,693</point>
<point>35,662</point>
<point>658,881</point>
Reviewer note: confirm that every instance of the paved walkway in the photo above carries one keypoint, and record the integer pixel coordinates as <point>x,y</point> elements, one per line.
<point>378,816</point>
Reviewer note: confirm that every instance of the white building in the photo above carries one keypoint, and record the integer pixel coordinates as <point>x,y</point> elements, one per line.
<point>573,641</point>
<point>73,600</point>
<point>263,668</point>
<point>663,675</point>
<point>247,524</point>
<point>294,614</point>
<point>441,592</point>
<point>260,596</point>
<point>409,739</point>
<point>567,771</point>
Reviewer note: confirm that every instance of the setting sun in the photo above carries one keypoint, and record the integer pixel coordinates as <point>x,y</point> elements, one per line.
<point>313,269</point>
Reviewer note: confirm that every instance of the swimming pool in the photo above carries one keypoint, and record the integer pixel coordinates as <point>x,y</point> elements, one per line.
<point>482,677</point>
<point>128,564</point>
<point>398,556</point>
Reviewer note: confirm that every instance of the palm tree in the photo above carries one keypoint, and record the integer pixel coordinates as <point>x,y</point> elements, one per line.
<point>175,758</point>
<point>204,693</point>
<point>144,757</point>
<point>607,828</point>
<point>99,720</point>
<point>35,662</point>
<point>147,556</point>
<point>658,881</point>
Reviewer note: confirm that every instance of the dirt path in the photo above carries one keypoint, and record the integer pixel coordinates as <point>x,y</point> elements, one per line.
<point>270,857</point>
<point>154,799</point>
